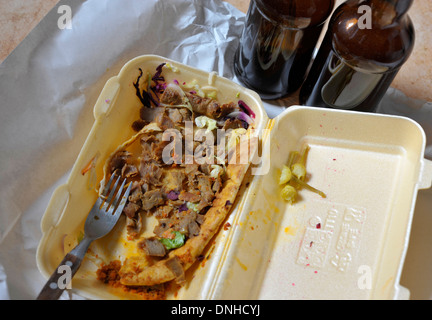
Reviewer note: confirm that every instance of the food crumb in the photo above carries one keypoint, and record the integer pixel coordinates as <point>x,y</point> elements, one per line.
<point>109,274</point>
<point>227,225</point>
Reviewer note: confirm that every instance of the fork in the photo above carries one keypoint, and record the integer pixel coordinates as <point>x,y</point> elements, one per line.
<point>101,219</point>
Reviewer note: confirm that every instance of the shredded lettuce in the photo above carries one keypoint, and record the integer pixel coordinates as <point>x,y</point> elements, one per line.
<point>189,86</point>
<point>193,86</point>
<point>216,171</point>
<point>212,95</point>
<point>204,121</point>
<point>177,242</point>
<point>234,137</point>
<point>172,68</point>
<point>210,92</point>
<point>204,91</point>
<point>192,206</point>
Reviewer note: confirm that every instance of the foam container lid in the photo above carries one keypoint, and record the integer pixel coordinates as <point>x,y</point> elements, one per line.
<point>349,245</point>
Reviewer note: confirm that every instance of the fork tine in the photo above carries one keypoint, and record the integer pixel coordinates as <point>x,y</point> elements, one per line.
<point>108,185</point>
<point>120,203</point>
<point>108,199</point>
<point>103,196</point>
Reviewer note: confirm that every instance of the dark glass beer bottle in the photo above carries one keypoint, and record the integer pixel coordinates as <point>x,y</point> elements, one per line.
<point>365,46</point>
<point>277,44</point>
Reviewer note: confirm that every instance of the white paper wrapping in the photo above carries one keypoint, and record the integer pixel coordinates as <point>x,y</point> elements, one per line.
<point>49,84</point>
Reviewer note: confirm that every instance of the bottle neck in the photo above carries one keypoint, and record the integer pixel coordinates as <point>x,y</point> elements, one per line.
<point>401,6</point>
<point>389,9</point>
<point>297,13</point>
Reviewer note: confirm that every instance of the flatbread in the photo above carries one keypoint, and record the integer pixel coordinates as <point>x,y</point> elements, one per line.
<point>136,271</point>
<point>134,274</point>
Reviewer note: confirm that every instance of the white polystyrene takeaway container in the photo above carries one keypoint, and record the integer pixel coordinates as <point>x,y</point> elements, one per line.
<point>349,245</point>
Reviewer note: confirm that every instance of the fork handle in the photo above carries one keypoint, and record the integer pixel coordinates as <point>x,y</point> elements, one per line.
<point>55,285</point>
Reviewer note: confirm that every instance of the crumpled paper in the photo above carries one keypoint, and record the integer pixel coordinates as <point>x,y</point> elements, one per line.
<point>50,83</point>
